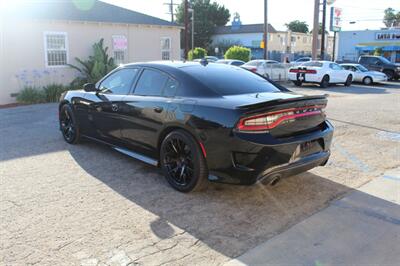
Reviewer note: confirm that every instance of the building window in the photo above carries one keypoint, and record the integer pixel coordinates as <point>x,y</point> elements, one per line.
<point>165,48</point>
<point>56,52</point>
<point>119,57</point>
<point>120,46</point>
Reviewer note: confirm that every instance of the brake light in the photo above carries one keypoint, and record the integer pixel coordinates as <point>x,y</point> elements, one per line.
<point>307,71</point>
<point>271,120</point>
<point>253,69</point>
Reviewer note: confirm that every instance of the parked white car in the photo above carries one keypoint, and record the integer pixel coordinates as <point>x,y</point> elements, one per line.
<point>268,68</point>
<point>362,74</point>
<point>320,72</point>
<point>233,62</point>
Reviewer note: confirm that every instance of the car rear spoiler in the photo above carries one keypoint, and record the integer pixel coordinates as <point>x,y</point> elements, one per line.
<point>321,99</point>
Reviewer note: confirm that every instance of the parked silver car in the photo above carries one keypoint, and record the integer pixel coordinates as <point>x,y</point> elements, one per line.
<point>362,74</point>
<point>268,68</point>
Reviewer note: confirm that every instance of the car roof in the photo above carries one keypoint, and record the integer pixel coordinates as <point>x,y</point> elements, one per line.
<point>174,64</point>
<point>349,64</point>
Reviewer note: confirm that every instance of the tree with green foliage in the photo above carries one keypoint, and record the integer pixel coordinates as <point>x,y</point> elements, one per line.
<point>207,16</point>
<point>320,30</point>
<point>297,26</point>
<point>391,18</point>
<point>238,53</point>
<point>378,51</point>
<point>95,67</point>
<point>197,53</point>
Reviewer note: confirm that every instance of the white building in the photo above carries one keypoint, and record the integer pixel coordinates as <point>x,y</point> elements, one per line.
<point>352,44</point>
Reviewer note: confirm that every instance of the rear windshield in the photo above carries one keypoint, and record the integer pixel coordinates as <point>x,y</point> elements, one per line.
<point>313,64</point>
<point>229,80</point>
<point>253,63</point>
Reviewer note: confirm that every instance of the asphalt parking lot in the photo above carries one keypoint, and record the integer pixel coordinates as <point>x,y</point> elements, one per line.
<point>88,205</point>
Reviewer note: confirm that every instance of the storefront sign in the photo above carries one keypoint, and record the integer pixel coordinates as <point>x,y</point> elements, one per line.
<point>387,36</point>
<point>336,19</point>
<point>120,42</point>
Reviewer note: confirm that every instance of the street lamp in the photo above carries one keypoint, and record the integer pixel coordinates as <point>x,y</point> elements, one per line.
<point>192,10</point>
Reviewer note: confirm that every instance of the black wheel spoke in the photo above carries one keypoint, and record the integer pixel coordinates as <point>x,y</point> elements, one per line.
<point>178,161</point>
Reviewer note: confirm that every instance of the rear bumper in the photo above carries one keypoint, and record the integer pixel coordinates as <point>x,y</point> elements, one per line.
<point>306,78</point>
<point>250,160</point>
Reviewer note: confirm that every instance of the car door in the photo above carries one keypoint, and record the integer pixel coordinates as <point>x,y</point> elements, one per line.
<point>145,109</point>
<point>104,109</point>
<point>338,74</point>
<point>374,64</point>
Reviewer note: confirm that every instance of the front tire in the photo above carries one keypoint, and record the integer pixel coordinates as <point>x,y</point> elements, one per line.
<point>69,125</point>
<point>389,74</point>
<point>183,162</point>
<point>367,81</point>
<point>324,82</point>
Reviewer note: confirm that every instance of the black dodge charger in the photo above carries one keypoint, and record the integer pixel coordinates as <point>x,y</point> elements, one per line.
<point>201,122</point>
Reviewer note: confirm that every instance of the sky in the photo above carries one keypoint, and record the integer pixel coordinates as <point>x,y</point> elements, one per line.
<point>367,14</point>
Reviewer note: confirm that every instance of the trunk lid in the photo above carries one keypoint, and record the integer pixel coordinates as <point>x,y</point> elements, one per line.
<point>284,117</point>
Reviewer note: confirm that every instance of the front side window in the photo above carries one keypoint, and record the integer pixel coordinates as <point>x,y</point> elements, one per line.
<point>56,52</point>
<point>119,82</point>
<point>165,48</point>
<point>151,83</point>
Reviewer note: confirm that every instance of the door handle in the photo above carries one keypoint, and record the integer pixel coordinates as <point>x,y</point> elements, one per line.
<point>114,107</point>
<point>158,109</point>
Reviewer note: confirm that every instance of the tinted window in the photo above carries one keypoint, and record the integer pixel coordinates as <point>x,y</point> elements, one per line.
<point>151,83</point>
<point>335,67</point>
<point>253,63</point>
<point>119,82</point>
<point>228,80</point>
<point>170,87</point>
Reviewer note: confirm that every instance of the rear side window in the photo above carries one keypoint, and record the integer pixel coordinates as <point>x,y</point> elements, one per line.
<point>151,83</point>
<point>313,63</point>
<point>170,88</point>
<point>229,80</point>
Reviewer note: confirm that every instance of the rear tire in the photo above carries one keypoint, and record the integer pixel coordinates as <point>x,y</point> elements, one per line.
<point>324,82</point>
<point>367,81</point>
<point>297,83</point>
<point>183,162</point>
<point>69,125</point>
<point>348,81</point>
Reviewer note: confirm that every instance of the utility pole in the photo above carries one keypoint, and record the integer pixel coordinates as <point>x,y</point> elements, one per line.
<point>323,30</point>
<point>334,46</point>
<point>171,6</point>
<point>192,10</point>
<point>186,20</point>
<point>265,37</point>
<point>315,30</point>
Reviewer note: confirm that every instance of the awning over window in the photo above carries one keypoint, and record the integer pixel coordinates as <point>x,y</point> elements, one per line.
<point>387,47</point>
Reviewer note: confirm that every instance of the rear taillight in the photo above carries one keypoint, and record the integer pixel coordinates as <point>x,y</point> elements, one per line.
<point>271,120</point>
<point>307,71</point>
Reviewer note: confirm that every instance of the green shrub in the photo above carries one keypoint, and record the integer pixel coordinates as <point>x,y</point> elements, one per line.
<point>52,92</point>
<point>30,95</point>
<point>378,51</point>
<point>197,53</point>
<point>238,53</point>
<point>96,66</point>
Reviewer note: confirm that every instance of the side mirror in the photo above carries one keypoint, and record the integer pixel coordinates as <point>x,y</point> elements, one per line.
<point>89,87</point>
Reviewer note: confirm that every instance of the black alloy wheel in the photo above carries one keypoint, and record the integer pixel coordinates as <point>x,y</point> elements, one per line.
<point>324,82</point>
<point>183,162</point>
<point>348,81</point>
<point>68,125</point>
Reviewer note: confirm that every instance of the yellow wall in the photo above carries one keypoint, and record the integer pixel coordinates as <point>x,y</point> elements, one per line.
<point>22,48</point>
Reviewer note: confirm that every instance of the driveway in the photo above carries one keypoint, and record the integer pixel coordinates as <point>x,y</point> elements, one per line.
<point>86,204</point>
